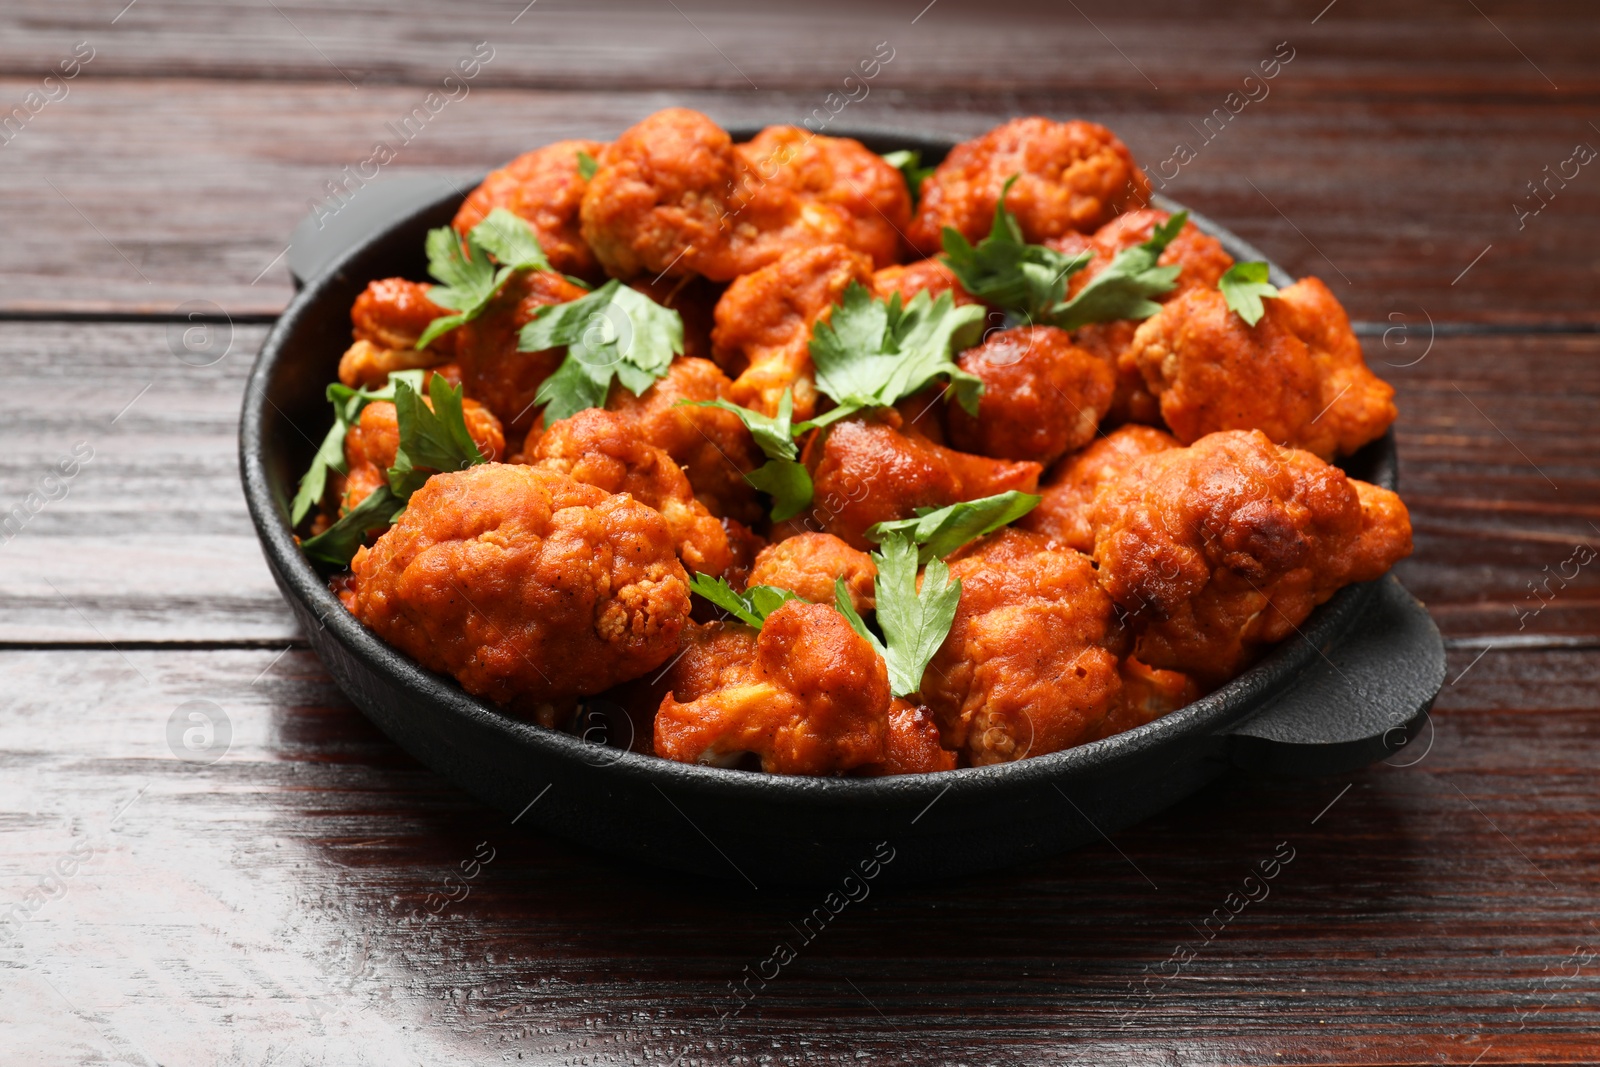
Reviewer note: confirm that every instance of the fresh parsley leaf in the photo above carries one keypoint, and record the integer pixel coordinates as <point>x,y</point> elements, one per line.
<point>1243,286</point>
<point>871,353</point>
<point>335,546</point>
<point>612,333</point>
<point>467,279</point>
<point>782,477</point>
<point>347,406</point>
<point>587,165</point>
<point>940,531</point>
<point>908,161</point>
<point>1123,290</point>
<point>914,621</point>
<point>1005,270</point>
<point>752,606</point>
<point>430,440</point>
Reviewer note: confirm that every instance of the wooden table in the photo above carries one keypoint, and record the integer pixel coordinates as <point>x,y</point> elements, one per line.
<point>282,905</point>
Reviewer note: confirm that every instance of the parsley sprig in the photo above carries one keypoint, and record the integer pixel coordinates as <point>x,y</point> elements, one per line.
<point>432,440</point>
<point>783,476</point>
<point>908,161</point>
<point>467,279</point>
<point>613,333</point>
<point>587,165</point>
<point>1004,270</point>
<point>347,407</point>
<point>915,621</point>
<point>751,606</point>
<point>1242,286</point>
<point>872,353</point>
<point>940,531</point>
<point>1029,281</point>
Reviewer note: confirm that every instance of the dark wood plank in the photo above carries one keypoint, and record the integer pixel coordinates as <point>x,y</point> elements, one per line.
<point>1390,185</point>
<point>151,541</point>
<point>272,906</point>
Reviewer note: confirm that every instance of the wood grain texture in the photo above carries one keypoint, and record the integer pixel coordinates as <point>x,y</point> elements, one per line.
<point>152,541</point>
<point>274,906</point>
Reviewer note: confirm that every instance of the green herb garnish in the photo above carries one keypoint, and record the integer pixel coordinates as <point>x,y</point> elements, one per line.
<point>914,621</point>
<point>347,406</point>
<point>752,606</point>
<point>871,353</point>
<point>587,165</point>
<point>782,477</point>
<point>431,442</point>
<point>467,279</point>
<point>1123,290</point>
<point>612,333</point>
<point>940,531</point>
<point>908,161</point>
<point>1003,269</point>
<point>1243,286</point>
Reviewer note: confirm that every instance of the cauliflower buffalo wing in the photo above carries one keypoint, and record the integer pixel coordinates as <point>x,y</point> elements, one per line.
<point>1042,396</point>
<point>600,449</point>
<point>1072,176</point>
<point>529,587</point>
<point>807,695</point>
<point>1069,488</point>
<point>674,195</point>
<point>1026,669</point>
<point>1297,375</point>
<point>808,564</point>
<point>764,324</point>
<point>925,275</point>
<point>544,188</point>
<point>386,321</point>
<point>1217,550</point>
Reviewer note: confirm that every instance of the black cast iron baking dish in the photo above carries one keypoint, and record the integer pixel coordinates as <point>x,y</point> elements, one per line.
<point>1352,688</point>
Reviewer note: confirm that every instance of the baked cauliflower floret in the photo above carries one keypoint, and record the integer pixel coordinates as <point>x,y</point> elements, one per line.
<point>1069,488</point>
<point>764,324</point>
<point>1043,396</point>
<point>807,695</point>
<point>1297,375</point>
<point>527,586</point>
<point>710,444</point>
<point>674,196</point>
<point>599,448</point>
<point>386,320</point>
<point>371,444</point>
<point>925,275</point>
<point>1026,668</point>
<point>543,188</point>
<point>809,563</point>
<point>1217,550</point>
<point>912,746</point>
<point>1201,262</point>
<point>1071,176</point>
<point>865,471</point>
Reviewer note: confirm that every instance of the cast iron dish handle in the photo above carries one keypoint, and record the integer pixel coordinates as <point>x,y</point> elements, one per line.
<point>1336,718</point>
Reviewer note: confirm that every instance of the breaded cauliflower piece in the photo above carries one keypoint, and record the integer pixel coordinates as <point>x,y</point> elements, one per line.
<point>807,695</point>
<point>527,586</point>
<point>912,746</point>
<point>601,449</point>
<point>764,324</point>
<point>1220,549</point>
<point>866,471</point>
<point>386,320</point>
<point>1069,488</point>
<point>808,564</point>
<point>710,444</point>
<point>1202,262</point>
<point>1028,667</point>
<point>543,188</point>
<point>674,195</point>
<point>1071,176</point>
<point>925,275</point>
<point>1043,396</point>
<point>1297,375</point>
